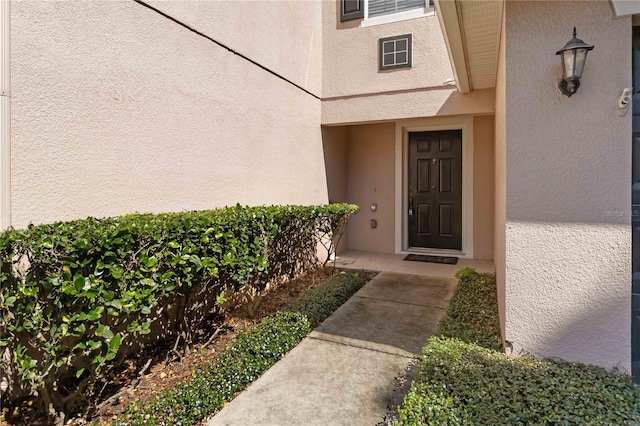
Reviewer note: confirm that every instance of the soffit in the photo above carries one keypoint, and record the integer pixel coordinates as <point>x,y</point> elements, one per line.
<point>471,29</point>
<point>625,7</point>
<point>481,23</point>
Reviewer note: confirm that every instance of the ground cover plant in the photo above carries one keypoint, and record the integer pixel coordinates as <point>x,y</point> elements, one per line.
<point>464,378</point>
<point>245,359</point>
<point>80,296</point>
<point>472,313</point>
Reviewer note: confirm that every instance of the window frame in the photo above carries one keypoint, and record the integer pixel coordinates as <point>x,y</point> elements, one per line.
<point>381,53</point>
<point>419,12</point>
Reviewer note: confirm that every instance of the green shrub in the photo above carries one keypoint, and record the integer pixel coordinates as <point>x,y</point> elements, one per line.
<point>318,303</point>
<point>464,377</point>
<point>464,384</point>
<point>250,354</point>
<point>472,314</point>
<point>79,296</point>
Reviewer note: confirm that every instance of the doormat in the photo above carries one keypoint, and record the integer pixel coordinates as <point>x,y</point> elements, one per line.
<point>432,259</point>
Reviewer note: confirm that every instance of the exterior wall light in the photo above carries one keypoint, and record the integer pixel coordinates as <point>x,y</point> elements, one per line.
<point>573,55</point>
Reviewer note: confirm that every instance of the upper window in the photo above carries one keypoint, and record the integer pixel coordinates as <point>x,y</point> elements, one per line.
<point>386,7</point>
<point>377,12</point>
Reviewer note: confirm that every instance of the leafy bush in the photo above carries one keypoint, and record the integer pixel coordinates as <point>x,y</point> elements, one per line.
<point>251,353</point>
<point>79,296</point>
<point>464,384</point>
<point>318,303</point>
<point>464,377</point>
<point>472,314</point>
<point>245,359</point>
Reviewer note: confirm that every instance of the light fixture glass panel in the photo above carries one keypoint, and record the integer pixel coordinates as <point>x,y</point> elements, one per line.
<point>581,55</point>
<point>568,57</point>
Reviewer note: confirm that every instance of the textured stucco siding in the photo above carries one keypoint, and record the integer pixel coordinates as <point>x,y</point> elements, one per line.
<point>370,179</point>
<point>500,164</point>
<point>355,91</point>
<point>351,55</point>
<point>117,109</point>
<point>335,146</point>
<point>440,102</point>
<point>567,270</point>
<point>283,35</point>
<point>483,183</point>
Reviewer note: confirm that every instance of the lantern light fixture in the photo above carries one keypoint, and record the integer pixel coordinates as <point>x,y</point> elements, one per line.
<point>573,57</point>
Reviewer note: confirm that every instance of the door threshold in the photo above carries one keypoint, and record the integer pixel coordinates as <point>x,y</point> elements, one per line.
<point>433,252</point>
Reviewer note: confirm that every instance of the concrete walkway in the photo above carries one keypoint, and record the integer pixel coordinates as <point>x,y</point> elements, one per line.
<point>355,367</point>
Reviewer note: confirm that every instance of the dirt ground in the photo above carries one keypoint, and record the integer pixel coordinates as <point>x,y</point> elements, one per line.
<point>166,369</point>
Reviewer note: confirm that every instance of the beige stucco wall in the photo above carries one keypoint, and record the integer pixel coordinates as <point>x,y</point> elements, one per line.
<point>355,91</point>
<point>483,184</point>
<point>440,102</point>
<point>351,52</point>
<point>117,109</point>
<point>335,145</point>
<point>257,29</point>
<point>567,174</point>
<point>370,179</point>
<point>500,164</point>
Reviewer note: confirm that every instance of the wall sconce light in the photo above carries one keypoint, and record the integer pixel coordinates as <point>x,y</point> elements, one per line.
<point>573,56</point>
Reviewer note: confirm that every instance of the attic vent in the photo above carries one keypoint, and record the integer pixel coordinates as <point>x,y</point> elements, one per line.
<point>395,52</point>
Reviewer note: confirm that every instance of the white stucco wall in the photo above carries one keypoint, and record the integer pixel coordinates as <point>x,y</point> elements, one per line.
<point>567,174</point>
<point>117,109</point>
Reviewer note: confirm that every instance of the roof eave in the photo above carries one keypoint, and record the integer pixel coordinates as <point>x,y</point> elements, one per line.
<point>447,12</point>
<point>625,7</point>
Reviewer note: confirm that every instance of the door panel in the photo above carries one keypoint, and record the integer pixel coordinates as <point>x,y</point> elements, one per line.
<point>446,220</point>
<point>424,219</point>
<point>424,175</point>
<point>435,189</point>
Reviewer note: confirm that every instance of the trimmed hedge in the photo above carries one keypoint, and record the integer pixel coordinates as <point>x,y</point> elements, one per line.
<point>250,354</point>
<point>472,314</point>
<point>462,383</point>
<point>320,302</point>
<point>82,295</point>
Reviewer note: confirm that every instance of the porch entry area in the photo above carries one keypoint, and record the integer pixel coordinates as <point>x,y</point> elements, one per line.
<point>435,190</point>
<point>424,185</point>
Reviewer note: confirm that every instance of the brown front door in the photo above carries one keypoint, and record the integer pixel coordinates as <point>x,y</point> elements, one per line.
<point>435,189</point>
